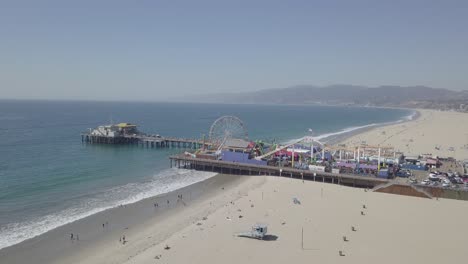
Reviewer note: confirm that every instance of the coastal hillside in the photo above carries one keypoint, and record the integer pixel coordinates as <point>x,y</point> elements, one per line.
<point>391,96</point>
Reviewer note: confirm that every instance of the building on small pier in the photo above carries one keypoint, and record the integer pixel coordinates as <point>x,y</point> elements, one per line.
<point>117,130</point>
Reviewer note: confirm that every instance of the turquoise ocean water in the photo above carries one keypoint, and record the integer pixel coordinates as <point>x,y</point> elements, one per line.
<point>49,178</point>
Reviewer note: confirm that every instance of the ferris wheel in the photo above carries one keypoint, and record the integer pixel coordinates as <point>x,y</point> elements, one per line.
<point>227,127</point>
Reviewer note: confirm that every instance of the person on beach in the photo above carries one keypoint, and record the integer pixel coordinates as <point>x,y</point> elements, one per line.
<point>71,236</point>
<point>102,225</point>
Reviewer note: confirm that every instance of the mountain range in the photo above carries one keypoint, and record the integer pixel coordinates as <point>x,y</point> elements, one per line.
<point>388,96</point>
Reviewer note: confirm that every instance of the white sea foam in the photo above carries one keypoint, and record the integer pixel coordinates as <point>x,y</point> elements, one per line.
<point>344,131</point>
<point>321,137</point>
<point>326,135</point>
<point>410,116</point>
<point>163,182</point>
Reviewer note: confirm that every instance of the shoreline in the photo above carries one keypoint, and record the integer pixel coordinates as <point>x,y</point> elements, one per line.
<point>341,137</point>
<point>62,218</point>
<point>333,138</point>
<point>55,245</point>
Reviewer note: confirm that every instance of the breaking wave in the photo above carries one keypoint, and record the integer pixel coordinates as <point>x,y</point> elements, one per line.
<point>163,182</point>
<point>348,130</point>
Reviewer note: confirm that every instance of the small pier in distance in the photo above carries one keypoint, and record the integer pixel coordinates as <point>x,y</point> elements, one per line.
<point>126,133</point>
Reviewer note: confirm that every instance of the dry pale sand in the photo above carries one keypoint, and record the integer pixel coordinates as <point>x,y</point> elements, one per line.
<point>433,129</point>
<point>394,229</point>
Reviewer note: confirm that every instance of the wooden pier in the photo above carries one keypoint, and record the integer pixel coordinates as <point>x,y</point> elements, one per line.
<point>145,141</point>
<point>227,167</point>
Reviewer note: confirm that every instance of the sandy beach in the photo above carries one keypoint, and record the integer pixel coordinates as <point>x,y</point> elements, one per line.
<point>443,134</point>
<point>394,229</point>
<point>142,223</point>
<point>199,223</point>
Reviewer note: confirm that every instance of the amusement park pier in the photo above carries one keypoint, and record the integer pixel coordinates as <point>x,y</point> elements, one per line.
<point>228,150</point>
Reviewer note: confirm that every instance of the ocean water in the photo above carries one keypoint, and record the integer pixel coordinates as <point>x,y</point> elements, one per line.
<point>48,177</point>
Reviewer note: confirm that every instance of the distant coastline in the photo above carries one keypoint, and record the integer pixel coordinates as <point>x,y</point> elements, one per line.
<point>414,97</point>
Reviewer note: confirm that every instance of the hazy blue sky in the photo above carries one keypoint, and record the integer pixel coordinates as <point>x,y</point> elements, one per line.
<point>151,50</point>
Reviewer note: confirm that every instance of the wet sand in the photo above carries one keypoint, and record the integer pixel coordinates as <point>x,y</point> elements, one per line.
<point>142,223</point>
